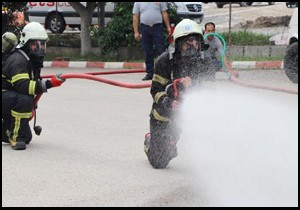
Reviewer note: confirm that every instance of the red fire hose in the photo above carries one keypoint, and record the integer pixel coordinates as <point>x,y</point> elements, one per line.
<point>234,78</point>
<point>245,84</point>
<point>108,72</point>
<point>90,76</point>
<point>105,80</point>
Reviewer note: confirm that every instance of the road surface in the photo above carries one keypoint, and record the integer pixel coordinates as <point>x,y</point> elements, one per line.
<point>90,152</point>
<point>220,16</point>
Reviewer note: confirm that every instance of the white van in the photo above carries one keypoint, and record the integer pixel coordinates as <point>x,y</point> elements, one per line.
<point>45,13</point>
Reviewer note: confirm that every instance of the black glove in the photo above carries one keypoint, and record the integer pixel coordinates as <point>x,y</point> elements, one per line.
<point>170,91</point>
<point>167,102</point>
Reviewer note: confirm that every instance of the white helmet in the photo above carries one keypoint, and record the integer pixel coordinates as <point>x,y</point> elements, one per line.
<point>33,31</point>
<point>9,41</point>
<point>186,27</point>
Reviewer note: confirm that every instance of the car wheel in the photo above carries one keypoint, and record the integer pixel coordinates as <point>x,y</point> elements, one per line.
<point>271,3</point>
<point>291,62</point>
<point>249,4</point>
<point>56,28</point>
<point>220,5</point>
<point>243,4</point>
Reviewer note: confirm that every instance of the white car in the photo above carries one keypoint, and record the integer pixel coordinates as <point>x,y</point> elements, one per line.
<point>291,55</point>
<point>191,10</point>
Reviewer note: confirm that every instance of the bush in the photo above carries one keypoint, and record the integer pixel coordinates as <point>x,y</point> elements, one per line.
<point>11,17</point>
<point>246,38</point>
<point>68,40</point>
<point>118,32</point>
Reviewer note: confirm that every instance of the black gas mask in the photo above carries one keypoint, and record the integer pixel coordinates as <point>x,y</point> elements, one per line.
<point>36,52</point>
<point>189,46</point>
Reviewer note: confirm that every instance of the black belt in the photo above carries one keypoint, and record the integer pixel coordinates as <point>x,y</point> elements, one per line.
<point>157,24</point>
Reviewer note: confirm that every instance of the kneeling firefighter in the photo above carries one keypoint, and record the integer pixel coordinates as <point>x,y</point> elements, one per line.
<point>174,72</point>
<point>21,82</point>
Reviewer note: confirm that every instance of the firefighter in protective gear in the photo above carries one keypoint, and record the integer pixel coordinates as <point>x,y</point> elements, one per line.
<point>9,41</point>
<point>173,75</point>
<point>21,82</point>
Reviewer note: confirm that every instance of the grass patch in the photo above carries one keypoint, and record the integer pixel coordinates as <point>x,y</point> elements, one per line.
<point>238,38</point>
<point>112,58</point>
<point>240,58</point>
<point>242,38</point>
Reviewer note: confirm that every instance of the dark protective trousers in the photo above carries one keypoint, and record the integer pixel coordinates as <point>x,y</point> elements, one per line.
<point>164,137</point>
<point>16,112</point>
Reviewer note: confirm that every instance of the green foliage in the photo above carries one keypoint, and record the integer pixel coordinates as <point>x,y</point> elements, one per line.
<point>118,32</point>
<point>67,40</point>
<point>246,38</point>
<point>172,11</point>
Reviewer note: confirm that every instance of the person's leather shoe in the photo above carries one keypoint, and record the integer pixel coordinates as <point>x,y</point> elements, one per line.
<point>147,77</point>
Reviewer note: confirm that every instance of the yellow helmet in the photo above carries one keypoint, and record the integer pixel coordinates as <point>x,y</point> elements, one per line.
<point>186,27</point>
<point>9,41</point>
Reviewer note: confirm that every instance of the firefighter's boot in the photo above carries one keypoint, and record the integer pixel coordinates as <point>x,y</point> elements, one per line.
<point>147,142</point>
<point>4,133</point>
<point>17,145</point>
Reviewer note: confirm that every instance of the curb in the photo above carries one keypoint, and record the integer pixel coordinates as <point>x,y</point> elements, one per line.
<point>237,65</point>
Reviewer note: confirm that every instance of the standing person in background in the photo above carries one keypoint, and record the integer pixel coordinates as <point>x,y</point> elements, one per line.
<point>151,16</point>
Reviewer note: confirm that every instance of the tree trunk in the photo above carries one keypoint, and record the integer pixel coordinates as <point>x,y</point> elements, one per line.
<point>102,14</point>
<point>86,15</point>
<point>86,42</point>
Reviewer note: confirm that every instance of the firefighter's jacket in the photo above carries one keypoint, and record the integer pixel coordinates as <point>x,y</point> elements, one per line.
<point>166,71</point>
<point>18,75</point>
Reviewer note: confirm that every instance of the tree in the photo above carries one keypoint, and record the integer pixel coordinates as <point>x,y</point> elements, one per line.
<point>86,14</point>
<point>101,14</point>
<point>9,17</point>
<point>119,32</point>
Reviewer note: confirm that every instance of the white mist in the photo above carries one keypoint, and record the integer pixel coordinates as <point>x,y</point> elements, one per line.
<point>241,146</point>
